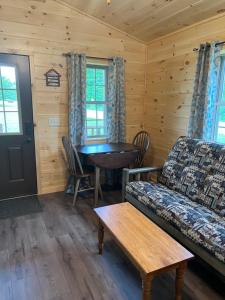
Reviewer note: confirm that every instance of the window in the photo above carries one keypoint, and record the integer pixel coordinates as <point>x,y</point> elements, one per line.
<point>9,102</point>
<point>220,118</point>
<point>96,91</point>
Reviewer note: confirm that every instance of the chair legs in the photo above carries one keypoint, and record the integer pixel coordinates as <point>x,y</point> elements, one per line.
<point>77,184</point>
<point>100,191</point>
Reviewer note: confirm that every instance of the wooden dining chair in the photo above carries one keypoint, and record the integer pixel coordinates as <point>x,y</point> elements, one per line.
<point>142,140</point>
<point>76,170</point>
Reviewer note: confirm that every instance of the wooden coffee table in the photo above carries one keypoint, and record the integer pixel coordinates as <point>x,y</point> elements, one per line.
<point>151,249</point>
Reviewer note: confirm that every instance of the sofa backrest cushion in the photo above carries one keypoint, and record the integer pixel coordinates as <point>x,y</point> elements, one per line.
<point>179,158</point>
<point>214,193</point>
<point>196,169</point>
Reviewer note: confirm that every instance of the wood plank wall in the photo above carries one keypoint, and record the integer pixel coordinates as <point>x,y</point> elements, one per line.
<point>171,66</point>
<point>44,30</point>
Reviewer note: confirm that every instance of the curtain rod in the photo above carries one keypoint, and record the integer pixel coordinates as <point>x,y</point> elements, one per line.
<point>94,57</point>
<point>217,44</point>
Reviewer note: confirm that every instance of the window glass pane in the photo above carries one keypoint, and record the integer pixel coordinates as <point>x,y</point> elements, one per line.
<point>100,93</point>
<point>91,123</point>
<point>222,116</point>
<point>101,119</point>
<point>94,133</point>
<point>12,122</point>
<point>221,135</point>
<point>102,131</point>
<point>89,132</point>
<point>100,123</point>
<point>2,123</point>
<point>8,75</point>
<point>223,94</point>
<point>10,100</point>
<point>90,93</point>
<point>100,112</point>
<point>90,74</point>
<point>1,101</point>
<point>100,76</point>
<point>91,112</point>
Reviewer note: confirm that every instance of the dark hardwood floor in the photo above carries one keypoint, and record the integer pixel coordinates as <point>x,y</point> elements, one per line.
<point>53,256</point>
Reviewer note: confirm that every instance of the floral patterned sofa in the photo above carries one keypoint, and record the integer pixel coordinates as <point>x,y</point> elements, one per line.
<point>188,201</point>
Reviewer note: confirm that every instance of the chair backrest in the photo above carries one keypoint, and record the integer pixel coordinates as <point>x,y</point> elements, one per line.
<point>142,140</point>
<point>74,164</point>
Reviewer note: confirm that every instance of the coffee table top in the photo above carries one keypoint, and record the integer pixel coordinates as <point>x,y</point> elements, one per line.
<point>150,248</point>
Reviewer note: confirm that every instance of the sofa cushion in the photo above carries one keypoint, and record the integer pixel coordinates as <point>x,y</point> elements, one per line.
<point>219,183</point>
<point>213,191</point>
<point>196,176</point>
<point>191,182</point>
<point>189,168</point>
<point>205,155</point>
<point>178,159</point>
<point>199,223</point>
<point>219,206</point>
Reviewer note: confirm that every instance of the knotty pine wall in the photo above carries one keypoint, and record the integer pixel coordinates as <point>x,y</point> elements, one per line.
<point>171,66</point>
<point>44,29</point>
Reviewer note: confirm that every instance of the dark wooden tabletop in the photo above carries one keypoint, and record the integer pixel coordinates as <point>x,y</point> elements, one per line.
<point>106,148</point>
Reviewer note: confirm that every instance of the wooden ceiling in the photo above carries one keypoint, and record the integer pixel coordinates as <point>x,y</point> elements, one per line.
<point>149,19</point>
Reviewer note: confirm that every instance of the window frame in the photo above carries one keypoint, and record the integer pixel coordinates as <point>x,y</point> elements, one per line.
<point>97,137</point>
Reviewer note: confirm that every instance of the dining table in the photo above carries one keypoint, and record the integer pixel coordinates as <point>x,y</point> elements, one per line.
<point>108,156</point>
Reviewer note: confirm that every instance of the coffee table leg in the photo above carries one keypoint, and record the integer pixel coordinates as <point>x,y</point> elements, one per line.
<point>180,279</point>
<point>100,237</point>
<point>147,288</point>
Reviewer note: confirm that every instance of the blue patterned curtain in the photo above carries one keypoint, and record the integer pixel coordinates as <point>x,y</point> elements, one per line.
<point>77,97</point>
<point>205,96</point>
<point>116,101</point>
<point>196,121</point>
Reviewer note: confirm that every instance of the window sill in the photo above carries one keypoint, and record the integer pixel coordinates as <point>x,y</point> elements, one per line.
<point>102,140</point>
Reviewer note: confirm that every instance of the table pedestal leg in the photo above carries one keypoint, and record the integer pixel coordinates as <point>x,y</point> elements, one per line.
<point>147,288</point>
<point>100,236</point>
<point>97,181</point>
<point>180,280</point>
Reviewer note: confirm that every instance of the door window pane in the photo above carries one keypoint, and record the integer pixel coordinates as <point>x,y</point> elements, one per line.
<point>2,123</point>
<point>10,100</point>
<point>8,75</point>
<point>10,122</point>
<point>1,101</point>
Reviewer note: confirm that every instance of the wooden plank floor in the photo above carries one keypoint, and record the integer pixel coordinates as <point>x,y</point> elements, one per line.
<point>53,256</point>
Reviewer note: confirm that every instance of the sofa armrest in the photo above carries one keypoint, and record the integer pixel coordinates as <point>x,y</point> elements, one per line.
<point>137,172</point>
<point>142,170</point>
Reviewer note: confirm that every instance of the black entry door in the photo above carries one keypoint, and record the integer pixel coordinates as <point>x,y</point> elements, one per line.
<point>17,151</point>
